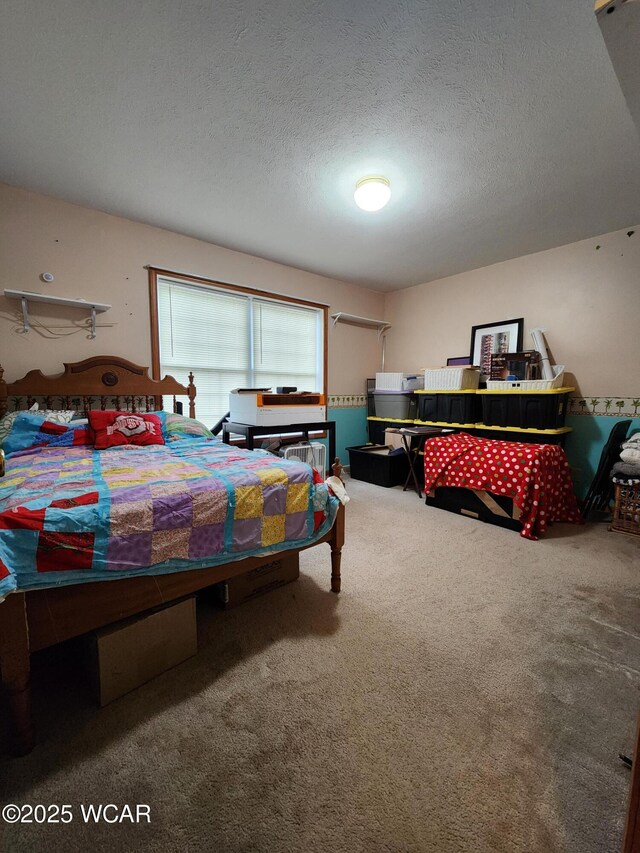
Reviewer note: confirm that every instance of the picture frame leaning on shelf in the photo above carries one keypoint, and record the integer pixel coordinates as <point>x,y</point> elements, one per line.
<point>497,337</point>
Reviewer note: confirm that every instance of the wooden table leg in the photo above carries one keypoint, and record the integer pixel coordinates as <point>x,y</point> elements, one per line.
<point>15,672</point>
<point>336,542</point>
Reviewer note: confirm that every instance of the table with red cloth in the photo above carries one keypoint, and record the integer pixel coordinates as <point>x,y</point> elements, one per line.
<point>535,476</point>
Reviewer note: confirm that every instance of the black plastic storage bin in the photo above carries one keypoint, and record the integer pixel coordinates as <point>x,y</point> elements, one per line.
<point>546,410</point>
<point>451,407</point>
<point>543,411</point>
<point>376,428</point>
<point>375,464</point>
<point>501,409</point>
<point>428,406</point>
<point>459,408</point>
<point>498,509</point>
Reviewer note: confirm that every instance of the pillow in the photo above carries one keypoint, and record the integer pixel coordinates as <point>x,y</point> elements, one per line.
<point>114,429</point>
<point>31,430</point>
<point>179,426</point>
<point>57,416</point>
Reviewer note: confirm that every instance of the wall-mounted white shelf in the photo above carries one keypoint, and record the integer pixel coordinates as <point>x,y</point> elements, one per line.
<point>354,320</point>
<point>381,325</point>
<point>26,296</point>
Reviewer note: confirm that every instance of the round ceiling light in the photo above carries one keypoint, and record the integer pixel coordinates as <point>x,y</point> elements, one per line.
<point>372,193</point>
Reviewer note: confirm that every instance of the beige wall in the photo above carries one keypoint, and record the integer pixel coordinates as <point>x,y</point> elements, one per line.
<point>587,300</point>
<point>96,256</point>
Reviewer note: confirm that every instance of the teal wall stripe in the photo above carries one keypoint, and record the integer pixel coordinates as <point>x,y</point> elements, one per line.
<point>351,428</point>
<point>584,445</point>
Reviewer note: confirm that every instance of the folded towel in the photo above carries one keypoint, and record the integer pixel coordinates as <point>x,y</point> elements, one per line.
<point>630,454</point>
<point>626,469</point>
<point>626,481</point>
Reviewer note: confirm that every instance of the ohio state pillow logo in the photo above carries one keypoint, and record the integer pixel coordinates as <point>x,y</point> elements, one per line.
<point>131,425</point>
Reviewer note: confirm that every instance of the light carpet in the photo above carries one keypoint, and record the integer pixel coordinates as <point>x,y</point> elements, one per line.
<point>467,691</point>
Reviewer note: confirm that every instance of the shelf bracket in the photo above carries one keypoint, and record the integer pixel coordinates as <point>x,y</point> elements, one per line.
<point>93,322</point>
<point>25,316</point>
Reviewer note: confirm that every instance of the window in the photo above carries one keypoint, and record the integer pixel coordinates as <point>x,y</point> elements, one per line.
<point>234,338</point>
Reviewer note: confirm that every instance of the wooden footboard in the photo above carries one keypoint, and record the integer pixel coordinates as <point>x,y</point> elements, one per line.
<point>41,618</point>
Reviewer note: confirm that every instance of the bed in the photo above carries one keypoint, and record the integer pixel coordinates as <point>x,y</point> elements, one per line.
<point>517,485</point>
<point>92,536</point>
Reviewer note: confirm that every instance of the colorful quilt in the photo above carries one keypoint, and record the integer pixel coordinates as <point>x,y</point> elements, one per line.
<point>535,476</point>
<point>74,514</point>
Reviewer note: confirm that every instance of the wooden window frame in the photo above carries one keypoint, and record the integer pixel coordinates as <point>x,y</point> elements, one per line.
<point>157,272</point>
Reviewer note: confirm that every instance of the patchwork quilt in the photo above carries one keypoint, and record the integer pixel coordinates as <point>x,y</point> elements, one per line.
<point>74,514</point>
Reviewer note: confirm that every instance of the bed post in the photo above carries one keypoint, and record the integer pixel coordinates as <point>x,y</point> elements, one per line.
<point>15,670</point>
<point>336,542</point>
<point>192,396</point>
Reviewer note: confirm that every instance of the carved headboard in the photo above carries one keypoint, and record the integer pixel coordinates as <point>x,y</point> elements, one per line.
<point>101,382</point>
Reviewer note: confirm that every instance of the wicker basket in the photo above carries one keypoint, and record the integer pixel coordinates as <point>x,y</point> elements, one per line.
<point>452,379</point>
<point>626,509</point>
<point>398,381</point>
<point>529,384</point>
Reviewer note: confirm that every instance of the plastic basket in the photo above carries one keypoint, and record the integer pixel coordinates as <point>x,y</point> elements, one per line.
<point>398,381</point>
<point>529,384</point>
<point>398,405</point>
<point>452,379</point>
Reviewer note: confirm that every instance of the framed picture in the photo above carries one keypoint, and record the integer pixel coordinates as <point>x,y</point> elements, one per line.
<point>503,336</point>
<point>458,360</point>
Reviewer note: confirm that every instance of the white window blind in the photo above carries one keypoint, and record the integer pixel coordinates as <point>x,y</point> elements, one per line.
<point>235,340</point>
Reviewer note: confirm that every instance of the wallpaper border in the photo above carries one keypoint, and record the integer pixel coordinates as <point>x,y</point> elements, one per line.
<point>347,401</point>
<point>610,406</point>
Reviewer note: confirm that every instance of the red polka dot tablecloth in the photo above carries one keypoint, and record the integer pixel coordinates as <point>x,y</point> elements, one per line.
<point>535,476</point>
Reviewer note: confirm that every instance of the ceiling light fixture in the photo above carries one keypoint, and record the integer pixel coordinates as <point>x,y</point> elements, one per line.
<point>372,192</point>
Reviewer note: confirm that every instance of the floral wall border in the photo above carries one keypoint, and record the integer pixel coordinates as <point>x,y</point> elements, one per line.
<point>347,401</point>
<point>607,406</point>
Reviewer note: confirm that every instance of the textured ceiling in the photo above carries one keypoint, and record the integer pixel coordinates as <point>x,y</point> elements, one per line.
<point>500,124</point>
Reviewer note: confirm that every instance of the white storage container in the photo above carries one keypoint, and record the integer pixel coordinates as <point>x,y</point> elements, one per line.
<point>452,379</point>
<point>395,405</point>
<point>398,381</point>
<point>529,384</point>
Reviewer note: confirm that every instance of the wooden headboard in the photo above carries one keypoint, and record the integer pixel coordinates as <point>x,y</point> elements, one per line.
<point>101,382</point>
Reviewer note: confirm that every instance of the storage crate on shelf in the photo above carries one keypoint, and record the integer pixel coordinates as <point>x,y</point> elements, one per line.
<point>501,409</point>
<point>542,409</point>
<point>450,407</point>
<point>398,404</point>
<point>378,465</point>
<point>626,509</point>
<point>451,379</point>
<point>398,381</point>
<point>529,384</point>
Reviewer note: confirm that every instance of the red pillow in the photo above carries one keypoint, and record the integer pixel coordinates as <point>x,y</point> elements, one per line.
<point>113,429</point>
